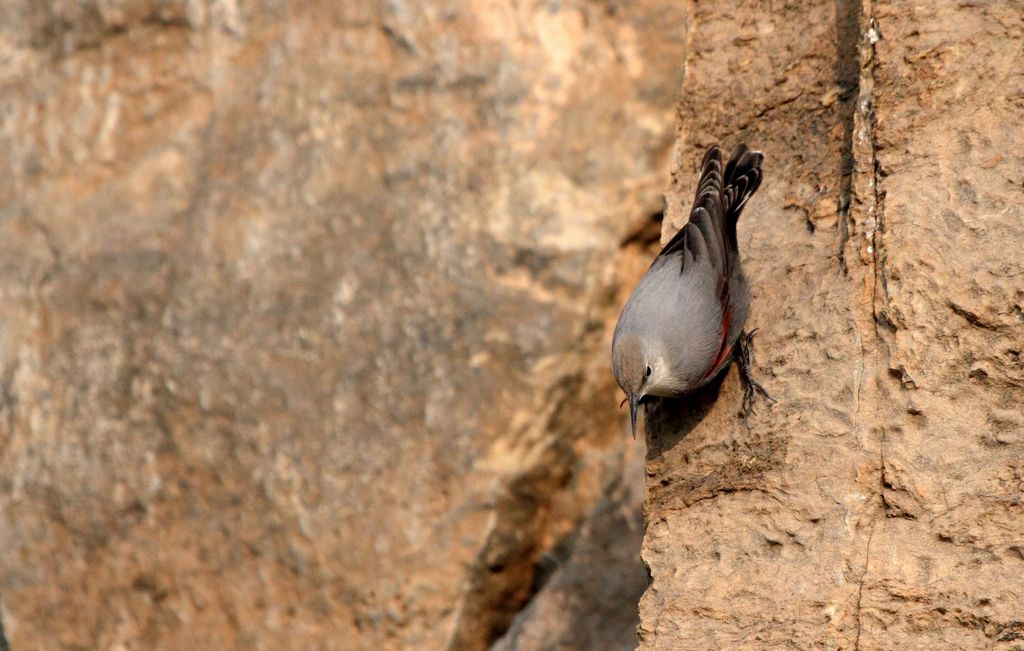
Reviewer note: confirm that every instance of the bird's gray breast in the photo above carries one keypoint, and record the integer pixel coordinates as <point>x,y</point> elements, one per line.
<point>677,315</point>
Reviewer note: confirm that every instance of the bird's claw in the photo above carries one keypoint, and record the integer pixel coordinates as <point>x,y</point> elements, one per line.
<point>751,387</point>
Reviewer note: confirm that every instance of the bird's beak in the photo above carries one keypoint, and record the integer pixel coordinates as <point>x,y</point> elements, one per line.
<point>634,402</point>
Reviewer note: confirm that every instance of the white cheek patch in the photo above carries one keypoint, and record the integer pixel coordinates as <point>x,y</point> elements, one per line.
<point>659,369</point>
<point>660,365</point>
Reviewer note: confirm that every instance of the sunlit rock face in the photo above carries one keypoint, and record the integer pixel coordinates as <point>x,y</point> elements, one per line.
<point>877,504</point>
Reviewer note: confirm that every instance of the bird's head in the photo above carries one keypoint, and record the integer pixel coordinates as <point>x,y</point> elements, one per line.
<point>635,371</point>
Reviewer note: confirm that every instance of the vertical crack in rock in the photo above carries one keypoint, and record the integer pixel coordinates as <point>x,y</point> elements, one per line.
<point>848,73</point>
<point>876,213</point>
<point>502,582</point>
<point>862,141</point>
<point>860,587</point>
<point>505,579</point>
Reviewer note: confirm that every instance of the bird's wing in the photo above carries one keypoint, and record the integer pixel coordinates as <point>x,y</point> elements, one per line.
<point>704,236</point>
<point>721,195</point>
<point>710,234</point>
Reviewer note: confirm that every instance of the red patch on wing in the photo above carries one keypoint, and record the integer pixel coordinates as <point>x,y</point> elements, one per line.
<point>723,350</point>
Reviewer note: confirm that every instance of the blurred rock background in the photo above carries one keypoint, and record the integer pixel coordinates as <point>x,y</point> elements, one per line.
<point>304,320</point>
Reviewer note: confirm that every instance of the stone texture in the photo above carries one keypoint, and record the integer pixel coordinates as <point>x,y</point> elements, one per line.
<point>878,504</point>
<point>305,310</point>
<point>589,602</point>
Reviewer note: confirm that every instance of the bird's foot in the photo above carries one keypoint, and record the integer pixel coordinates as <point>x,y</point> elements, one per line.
<point>751,387</point>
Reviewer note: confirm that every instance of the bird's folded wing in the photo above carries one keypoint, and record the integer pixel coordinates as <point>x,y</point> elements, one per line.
<point>710,234</point>
<point>704,237</point>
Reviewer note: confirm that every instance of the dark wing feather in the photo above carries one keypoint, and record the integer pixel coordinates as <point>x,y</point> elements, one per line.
<point>721,194</point>
<point>707,218</point>
<point>742,178</point>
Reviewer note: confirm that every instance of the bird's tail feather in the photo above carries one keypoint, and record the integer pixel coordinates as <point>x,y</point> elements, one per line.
<point>721,194</point>
<point>741,179</point>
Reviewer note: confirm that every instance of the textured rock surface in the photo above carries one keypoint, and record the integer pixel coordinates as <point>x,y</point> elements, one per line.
<point>303,316</point>
<point>305,312</point>
<point>879,504</point>
<point>590,600</point>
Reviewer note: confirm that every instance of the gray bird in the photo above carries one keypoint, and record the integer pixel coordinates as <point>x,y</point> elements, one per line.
<point>683,320</point>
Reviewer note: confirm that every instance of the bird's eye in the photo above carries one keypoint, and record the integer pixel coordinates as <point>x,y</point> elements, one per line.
<point>648,374</point>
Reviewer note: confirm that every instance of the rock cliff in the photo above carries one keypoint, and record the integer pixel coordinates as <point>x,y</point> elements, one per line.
<point>878,504</point>
<point>306,310</point>
<point>303,306</point>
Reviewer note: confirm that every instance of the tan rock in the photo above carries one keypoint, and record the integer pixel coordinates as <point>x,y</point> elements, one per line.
<point>878,504</point>
<point>305,316</point>
<point>303,309</point>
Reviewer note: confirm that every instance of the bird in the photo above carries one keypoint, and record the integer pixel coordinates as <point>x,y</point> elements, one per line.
<point>683,322</point>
